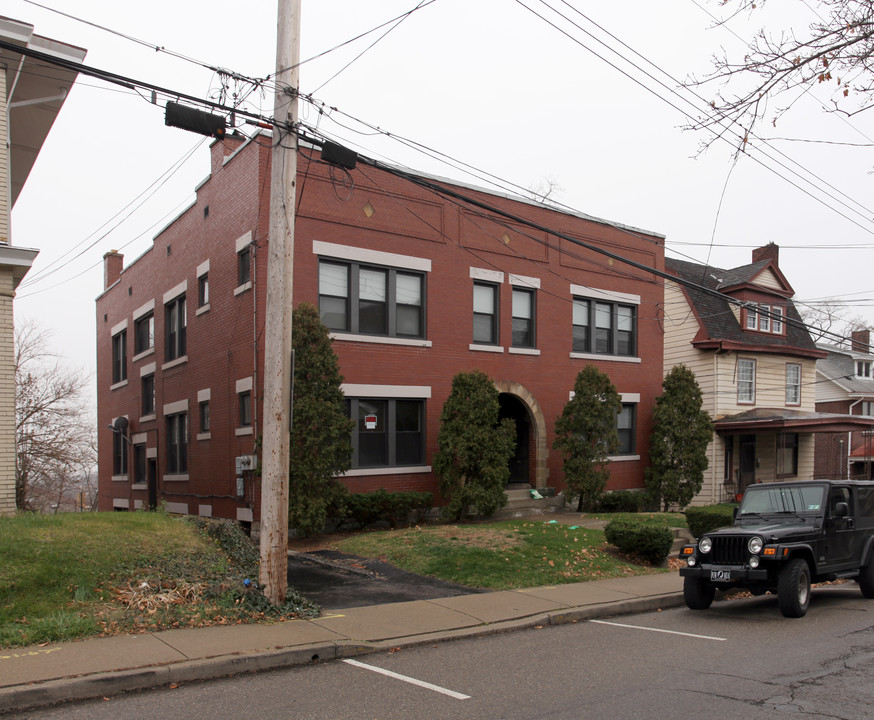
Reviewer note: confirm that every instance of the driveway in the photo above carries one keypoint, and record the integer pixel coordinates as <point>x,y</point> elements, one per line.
<point>335,580</point>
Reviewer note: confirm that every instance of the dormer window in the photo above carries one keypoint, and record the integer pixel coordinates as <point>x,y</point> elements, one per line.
<point>764,318</point>
<point>863,368</point>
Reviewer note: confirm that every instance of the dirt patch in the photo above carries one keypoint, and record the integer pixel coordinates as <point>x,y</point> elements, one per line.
<point>487,538</point>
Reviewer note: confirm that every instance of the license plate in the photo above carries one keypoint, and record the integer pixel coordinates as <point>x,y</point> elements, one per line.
<point>720,575</point>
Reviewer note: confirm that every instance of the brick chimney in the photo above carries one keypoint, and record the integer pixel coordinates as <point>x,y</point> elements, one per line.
<point>113,264</point>
<point>860,340</point>
<point>771,251</point>
<point>220,149</point>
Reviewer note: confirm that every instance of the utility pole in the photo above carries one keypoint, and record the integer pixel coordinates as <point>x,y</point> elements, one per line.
<point>277,331</point>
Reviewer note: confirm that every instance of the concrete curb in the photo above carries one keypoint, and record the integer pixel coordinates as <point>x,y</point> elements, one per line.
<point>52,692</point>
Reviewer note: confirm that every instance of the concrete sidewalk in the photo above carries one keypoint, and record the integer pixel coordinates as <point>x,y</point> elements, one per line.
<point>44,675</point>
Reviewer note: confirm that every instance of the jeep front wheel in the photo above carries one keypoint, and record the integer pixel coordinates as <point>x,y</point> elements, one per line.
<point>698,594</point>
<point>793,589</point>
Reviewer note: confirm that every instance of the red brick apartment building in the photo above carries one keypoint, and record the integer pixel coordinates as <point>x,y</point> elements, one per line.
<point>415,289</point>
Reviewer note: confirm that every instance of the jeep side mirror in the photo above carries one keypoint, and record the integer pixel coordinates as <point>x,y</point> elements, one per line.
<point>842,509</point>
<point>734,512</point>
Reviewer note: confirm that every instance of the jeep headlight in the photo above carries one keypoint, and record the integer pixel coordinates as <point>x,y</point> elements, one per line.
<point>754,561</point>
<point>755,545</point>
<point>705,545</point>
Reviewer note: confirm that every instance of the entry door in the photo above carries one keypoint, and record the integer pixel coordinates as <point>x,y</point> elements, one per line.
<point>747,462</point>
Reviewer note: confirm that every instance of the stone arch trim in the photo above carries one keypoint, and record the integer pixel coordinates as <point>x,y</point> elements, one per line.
<point>538,423</point>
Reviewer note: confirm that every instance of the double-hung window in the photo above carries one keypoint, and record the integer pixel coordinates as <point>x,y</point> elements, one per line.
<point>204,416</point>
<point>485,313</point>
<point>140,463</point>
<point>746,381</point>
<point>793,384</point>
<point>147,383</point>
<point>523,318</point>
<point>175,321</point>
<point>371,300</point>
<point>388,432</point>
<point>764,318</point>
<point>177,443</point>
<point>203,290</point>
<point>244,265</point>
<point>625,426</point>
<point>119,357</point>
<point>245,401</point>
<point>144,333</point>
<point>119,454</point>
<point>604,328</point>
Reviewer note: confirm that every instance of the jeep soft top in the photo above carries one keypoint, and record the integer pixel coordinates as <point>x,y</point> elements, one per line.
<point>785,536</point>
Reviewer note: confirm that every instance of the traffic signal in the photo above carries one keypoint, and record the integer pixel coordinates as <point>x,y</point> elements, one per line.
<point>194,120</point>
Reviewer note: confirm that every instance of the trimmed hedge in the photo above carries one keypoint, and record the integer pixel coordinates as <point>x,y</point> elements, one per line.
<point>709,517</point>
<point>391,507</point>
<point>623,501</point>
<point>650,543</point>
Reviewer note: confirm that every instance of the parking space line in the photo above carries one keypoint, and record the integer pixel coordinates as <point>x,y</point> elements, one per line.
<point>412,681</point>
<point>669,632</point>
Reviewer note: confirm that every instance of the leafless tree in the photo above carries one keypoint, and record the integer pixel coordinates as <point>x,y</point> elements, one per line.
<point>829,321</point>
<point>835,52</point>
<point>55,430</point>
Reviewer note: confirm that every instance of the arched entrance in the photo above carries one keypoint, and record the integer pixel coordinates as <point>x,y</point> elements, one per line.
<point>528,464</point>
<point>512,407</point>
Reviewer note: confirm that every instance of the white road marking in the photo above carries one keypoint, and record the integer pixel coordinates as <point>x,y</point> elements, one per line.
<point>412,681</point>
<point>670,632</point>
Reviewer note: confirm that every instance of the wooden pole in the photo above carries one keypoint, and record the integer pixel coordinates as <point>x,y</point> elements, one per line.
<point>277,332</point>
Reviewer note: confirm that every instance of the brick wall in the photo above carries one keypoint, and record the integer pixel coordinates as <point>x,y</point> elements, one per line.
<point>371,211</point>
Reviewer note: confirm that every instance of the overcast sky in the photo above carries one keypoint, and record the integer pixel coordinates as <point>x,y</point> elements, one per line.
<point>487,83</point>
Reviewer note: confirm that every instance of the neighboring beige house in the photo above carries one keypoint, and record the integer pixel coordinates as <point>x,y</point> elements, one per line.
<point>739,332</point>
<point>32,91</point>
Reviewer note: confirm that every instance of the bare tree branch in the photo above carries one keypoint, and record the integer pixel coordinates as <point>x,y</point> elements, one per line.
<point>55,433</point>
<point>836,52</point>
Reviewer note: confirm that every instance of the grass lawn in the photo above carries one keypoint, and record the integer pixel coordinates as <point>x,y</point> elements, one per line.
<point>502,555</point>
<point>71,575</point>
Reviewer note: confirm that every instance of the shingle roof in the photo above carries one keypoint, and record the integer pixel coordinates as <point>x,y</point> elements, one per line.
<point>715,313</point>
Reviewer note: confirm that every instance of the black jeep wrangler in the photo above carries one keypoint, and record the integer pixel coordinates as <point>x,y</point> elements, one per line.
<point>786,535</point>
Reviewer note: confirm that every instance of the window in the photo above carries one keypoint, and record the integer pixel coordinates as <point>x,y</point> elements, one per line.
<point>793,384</point>
<point>119,454</point>
<point>388,432</point>
<point>177,443</point>
<point>615,328</point>
<point>867,408</point>
<point>176,322</point>
<point>625,425</point>
<point>139,463</point>
<point>485,313</point>
<point>204,416</point>
<point>371,300</point>
<point>203,290</point>
<point>245,408</point>
<point>787,455</point>
<point>244,265</point>
<point>581,326</point>
<point>147,383</point>
<point>119,357</point>
<point>746,381</point>
<point>863,369</point>
<point>777,320</point>
<point>523,318</point>
<point>144,333</point>
<point>764,318</point>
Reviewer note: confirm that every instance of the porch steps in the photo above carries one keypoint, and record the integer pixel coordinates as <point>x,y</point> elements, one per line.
<point>521,504</point>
